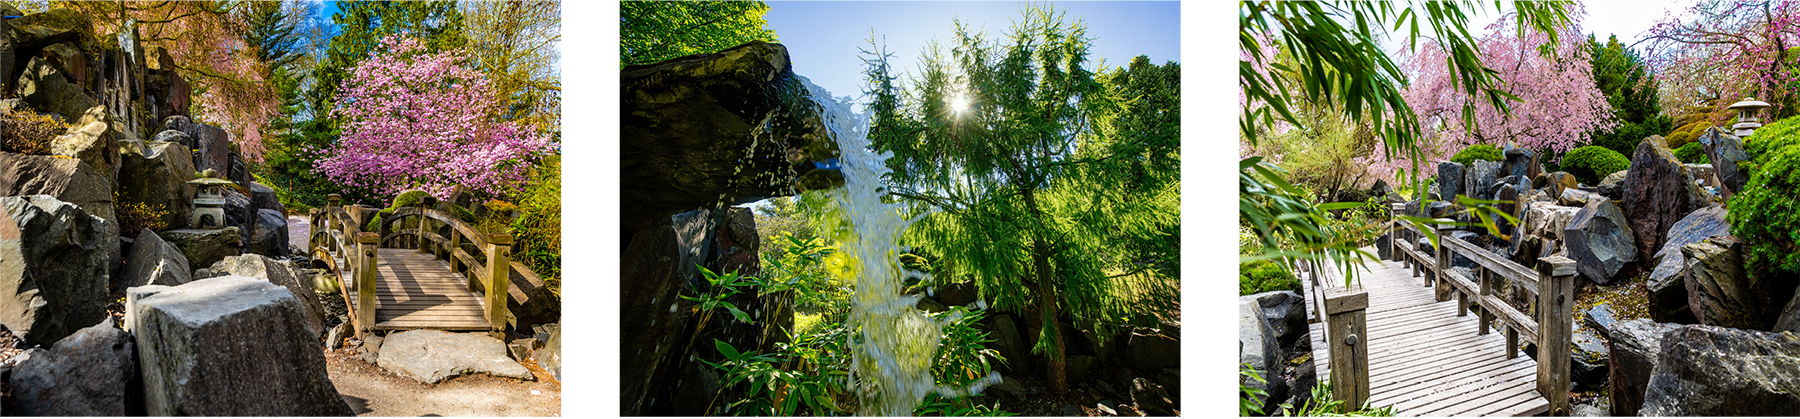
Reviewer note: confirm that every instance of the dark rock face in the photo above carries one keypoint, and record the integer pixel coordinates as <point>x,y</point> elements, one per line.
<point>709,131</point>
<point>1450,180</point>
<point>1589,369</point>
<point>155,262</point>
<point>957,294</point>
<point>1555,182</point>
<point>168,93</point>
<point>1634,347</point>
<point>197,361</point>
<point>1716,371</point>
<point>1726,152</point>
<point>67,180</point>
<point>1668,280</point>
<point>177,137</point>
<point>1153,400</point>
<point>1384,246</point>
<point>1521,162</point>
<point>263,197</point>
<point>47,88</point>
<point>58,283</point>
<point>1599,239</point>
<point>212,146</point>
<point>1609,186</point>
<point>269,235</point>
<point>1721,295</point>
<point>1286,314</point>
<point>1155,351</point>
<point>156,173</point>
<point>205,247</point>
<point>239,213</point>
<point>90,373</point>
<point>1258,348</point>
<point>1657,194</point>
<point>1482,174</point>
<point>1011,345</point>
<point>1457,259</point>
<point>278,273</point>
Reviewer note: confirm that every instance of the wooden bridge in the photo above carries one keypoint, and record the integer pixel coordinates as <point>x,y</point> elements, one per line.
<point>1396,339</point>
<point>435,272</point>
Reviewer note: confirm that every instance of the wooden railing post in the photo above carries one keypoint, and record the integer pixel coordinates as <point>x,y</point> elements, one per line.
<point>1487,288</point>
<point>499,263</point>
<point>366,244</point>
<point>1394,232</point>
<point>1347,317</point>
<point>456,264</point>
<point>331,205</point>
<point>1443,260</point>
<point>1556,301</point>
<point>427,204</point>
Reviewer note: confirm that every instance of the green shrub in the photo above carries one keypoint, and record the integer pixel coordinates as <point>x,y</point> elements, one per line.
<point>1264,276</point>
<point>406,199</point>
<point>1766,214</point>
<point>1479,152</point>
<point>1692,153</point>
<point>1590,164</point>
<point>537,233</point>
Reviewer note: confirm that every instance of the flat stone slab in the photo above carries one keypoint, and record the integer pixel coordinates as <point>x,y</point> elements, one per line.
<point>432,356</point>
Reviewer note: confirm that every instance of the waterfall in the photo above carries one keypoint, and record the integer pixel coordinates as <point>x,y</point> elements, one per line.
<point>893,342</point>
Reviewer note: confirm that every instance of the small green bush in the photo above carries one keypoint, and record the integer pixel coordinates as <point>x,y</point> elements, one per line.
<point>406,199</point>
<point>1766,214</point>
<point>1590,164</point>
<point>1693,153</point>
<point>1479,152</point>
<point>538,230</point>
<point>1264,276</point>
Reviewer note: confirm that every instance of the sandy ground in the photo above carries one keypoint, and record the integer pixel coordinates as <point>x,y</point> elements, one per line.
<point>373,391</point>
<point>298,232</point>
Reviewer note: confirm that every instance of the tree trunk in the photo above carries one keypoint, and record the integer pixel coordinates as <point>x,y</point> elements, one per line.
<point>1047,297</point>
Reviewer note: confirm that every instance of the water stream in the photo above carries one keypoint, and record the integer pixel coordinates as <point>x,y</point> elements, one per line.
<point>893,342</point>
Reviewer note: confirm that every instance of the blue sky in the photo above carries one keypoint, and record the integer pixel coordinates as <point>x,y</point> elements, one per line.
<point>823,38</point>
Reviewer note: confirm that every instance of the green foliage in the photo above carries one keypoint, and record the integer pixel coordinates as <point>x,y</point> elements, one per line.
<point>1631,90</point>
<point>935,405</point>
<point>135,216</point>
<point>722,288</point>
<point>1590,164</point>
<point>799,265</point>
<point>1693,153</point>
<point>405,199</point>
<point>654,31</point>
<point>1290,226</point>
<point>962,357</point>
<point>361,24</point>
<point>1247,405</point>
<point>772,391</point>
<point>537,233</point>
<point>1264,276</point>
<point>1478,152</point>
<point>1766,214</point>
<point>1322,404</point>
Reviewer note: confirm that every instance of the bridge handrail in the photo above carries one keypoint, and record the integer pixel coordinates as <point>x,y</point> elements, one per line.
<point>1552,285</point>
<point>494,260</point>
<point>1344,311</point>
<point>339,237</point>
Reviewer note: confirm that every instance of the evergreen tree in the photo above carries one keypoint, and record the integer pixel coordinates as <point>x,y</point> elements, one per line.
<point>1050,186</point>
<point>1631,89</point>
<point>654,31</point>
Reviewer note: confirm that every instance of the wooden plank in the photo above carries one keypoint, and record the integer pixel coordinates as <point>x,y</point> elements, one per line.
<point>1493,262</point>
<point>1339,301</point>
<point>1512,317</point>
<point>1482,397</point>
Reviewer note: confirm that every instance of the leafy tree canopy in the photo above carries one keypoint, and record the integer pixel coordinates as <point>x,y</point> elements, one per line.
<point>654,31</point>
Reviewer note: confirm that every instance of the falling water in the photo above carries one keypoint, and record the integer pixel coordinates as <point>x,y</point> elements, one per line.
<point>893,342</point>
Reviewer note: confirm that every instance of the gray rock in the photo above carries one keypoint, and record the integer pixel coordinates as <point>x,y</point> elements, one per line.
<point>1153,400</point>
<point>197,357</point>
<point>1657,194</point>
<point>1554,183</point>
<point>1008,386</point>
<point>269,235</point>
<point>1153,351</point>
<point>1384,248</point>
<point>278,273</point>
<point>1257,348</point>
<point>1450,178</point>
<point>1721,295</point>
<point>206,247</point>
<point>1011,346</point>
<point>335,338</point>
<point>1633,348</point>
<point>1079,368</point>
<point>1071,410</point>
<point>1457,259</point>
<point>1715,371</point>
<point>56,273</point>
<point>212,146</point>
<point>1601,319</point>
<point>520,349</point>
<point>549,356</point>
<point>1104,408</point>
<point>239,213</point>
<point>1726,152</point>
<point>48,89</point>
<point>1588,372</point>
<point>263,197</point>
<point>68,180</point>
<point>154,262</point>
<point>92,143</point>
<point>1609,186</point>
<point>88,373</point>
<point>176,137</point>
<point>1481,177</point>
<point>1588,410</point>
<point>1599,239</point>
<point>1521,162</point>
<point>156,174</point>
<point>1576,197</point>
<point>1667,284</point>
<point>1286,314</point>
<point>930,306</point>
<point>431,356</point>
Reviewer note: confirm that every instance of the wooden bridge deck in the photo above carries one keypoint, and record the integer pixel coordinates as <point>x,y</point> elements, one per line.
<point>1426,361</point>
<point>417,291</point>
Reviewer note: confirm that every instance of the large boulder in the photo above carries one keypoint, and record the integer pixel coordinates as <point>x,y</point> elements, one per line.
<point>264,197</point>
<point>90,373</point>
<point>1589,369</point>
<point>1451,176</point>
<point>1599,239</point>
<point>167,93</point>
<point>1720,294</point>
<point>1011,345</point>
<point>178,137</point>
<point>1726,152</point>
<point>697,129</point>
<point>1153,351</point>
<point>36,31</point>
<point>154,262</point>
<point>1286,314</point>
<point>279,273</point>
<point>229,346</point>
<point>1258,349</point>
<point>212,146</point>
<point>1521,162</point>
<point>155,173</point>
<point>1715,371</point>
<point>204,247</point>
<point>1554,183</point>
<point>1657,194</point>
<point>1609,186</point>
<point>239,213</point>
<point>1668,279</point>
<point>1633,347</point>
<point>1481,177</point>
<point>269,234</point>
<point>93,143</point>
<point>46,88</point>
<point>68,180</point>
<point>56,266</point>
<point>432,356</point>
<point>549,357</point>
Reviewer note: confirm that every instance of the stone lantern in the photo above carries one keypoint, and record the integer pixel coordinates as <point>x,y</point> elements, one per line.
<point>1747,120</point>
<point>209,201</point>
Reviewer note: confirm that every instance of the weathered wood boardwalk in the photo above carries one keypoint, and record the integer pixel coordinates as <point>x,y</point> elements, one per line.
<point>1425,360</point>
<point>417,291</point>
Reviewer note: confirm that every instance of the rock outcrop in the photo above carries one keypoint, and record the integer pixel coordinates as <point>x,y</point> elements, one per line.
<point>432,356</point>
<point>56,267</point>
<point>269,234</point>
<point>278,273</point>
<point>90,373</point>
<point>1720,294</point>
<point>91,140</point>
<point>1599,239</point>
<point>1658,192</point>
<point>67,180</point>
<point>1668,279</point>
<point>204,247</point>
<point>1258,348</point>
<point>155,173</point>
<point>1450,178</point>
<point>1286,314</point>
<point>1726,152</point>
<point>1714,371</point>
<point>154,262</point>
<point>1633,348</point>
<point>197,357</point>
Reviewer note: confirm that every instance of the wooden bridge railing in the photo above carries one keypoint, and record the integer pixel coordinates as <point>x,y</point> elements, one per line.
<point>1344,310</point>
<point>1552,285</point>
<point>338,240</point>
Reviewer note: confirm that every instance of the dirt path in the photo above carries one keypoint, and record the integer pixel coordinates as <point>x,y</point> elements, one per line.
<point>373,391</point>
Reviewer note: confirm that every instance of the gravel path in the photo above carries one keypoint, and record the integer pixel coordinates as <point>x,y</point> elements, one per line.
<point>373,391</point>
<point>299,229</point>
